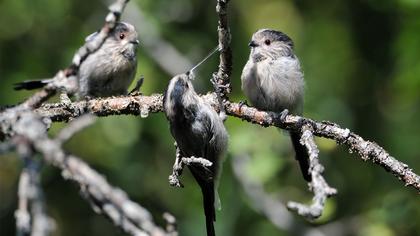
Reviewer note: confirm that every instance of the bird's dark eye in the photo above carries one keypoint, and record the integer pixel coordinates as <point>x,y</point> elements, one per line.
<point>122,36</point>
<point>267,42</point>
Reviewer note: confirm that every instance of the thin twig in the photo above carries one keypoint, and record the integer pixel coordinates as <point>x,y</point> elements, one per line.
<point>222,76</point>
<point>276,211</point>
<point>79,124</point>
<point>318,185</point>
<point>273,209</point>
<point>42,224</point>
<point>22,215</point>
<point>180,163</point>
<point>31,217</point>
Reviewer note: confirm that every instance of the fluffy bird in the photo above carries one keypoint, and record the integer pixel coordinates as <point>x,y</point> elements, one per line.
<point>198,131</point>
<point>109,70</point>
<point>272,80</point>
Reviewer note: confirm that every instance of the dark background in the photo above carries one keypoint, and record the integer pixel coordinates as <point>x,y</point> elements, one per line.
<point>361,60</point>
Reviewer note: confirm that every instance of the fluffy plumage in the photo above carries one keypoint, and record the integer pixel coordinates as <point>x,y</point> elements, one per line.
<point>108,71</point>
<point>273,80</point>
<point>199,132</point>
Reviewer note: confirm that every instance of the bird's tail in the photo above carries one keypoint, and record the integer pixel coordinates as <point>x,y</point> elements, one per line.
<point>301,155</point>
<point>32,84</point>
<point>208,204</point>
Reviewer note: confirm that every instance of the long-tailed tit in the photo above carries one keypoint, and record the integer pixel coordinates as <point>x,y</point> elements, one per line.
<point>273,80</point>
<point>109,70</point>
<point>199,132</point>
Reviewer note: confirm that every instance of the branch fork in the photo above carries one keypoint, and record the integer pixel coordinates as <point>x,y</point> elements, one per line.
<point>179,165</point>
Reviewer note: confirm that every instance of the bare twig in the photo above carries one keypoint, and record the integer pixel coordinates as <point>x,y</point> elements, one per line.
<point>171,225</point>
<point>180,163</point>
<point>276,212</point>
<point>23,218</point>
<point>178,167</point>
<point>31,217</point>
<point>318,185</point>
<point>273,209</point>
<point>67,132</point>
<point>105,199</point>
<point>222,76</point>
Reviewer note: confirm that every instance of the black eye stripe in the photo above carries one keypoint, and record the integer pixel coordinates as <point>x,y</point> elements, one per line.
<point>121,28</point>
<point>276,36</point>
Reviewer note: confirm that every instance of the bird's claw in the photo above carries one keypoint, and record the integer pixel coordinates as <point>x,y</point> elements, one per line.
<point>136,90</point>
<point>283,115</point>
<point>242,103</point>
<point>64,99</point>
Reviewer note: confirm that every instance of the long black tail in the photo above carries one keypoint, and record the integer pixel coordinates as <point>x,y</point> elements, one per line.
<point>301,156</point>
<point>29,85</point>
<point>207,189</point>
<point>208,204</point>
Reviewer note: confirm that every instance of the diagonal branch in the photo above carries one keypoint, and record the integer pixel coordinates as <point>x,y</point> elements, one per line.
<point>104,198</point>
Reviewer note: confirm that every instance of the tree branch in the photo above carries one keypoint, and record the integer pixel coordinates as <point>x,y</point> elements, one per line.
<point>133,105</point>
<point>22,215</point>
<point>222,76</point>
<point>105,199</point>
<point>129,105</point>
<point>31,217</point>
<point>318,185</point>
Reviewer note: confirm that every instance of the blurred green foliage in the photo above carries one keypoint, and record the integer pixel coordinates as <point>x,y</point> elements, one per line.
<point>361,60</point>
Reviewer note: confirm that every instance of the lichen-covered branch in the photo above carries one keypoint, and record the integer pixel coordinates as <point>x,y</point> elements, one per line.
<point>222,76</point>
<point>367,150</point>
<point>129,105</point>
<point>318,185</point>
<point>133,105</point>
<point>104,198</point>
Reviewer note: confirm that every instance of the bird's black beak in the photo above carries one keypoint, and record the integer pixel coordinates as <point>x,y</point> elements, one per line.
<point>135,42</point>
<point>252,44</point>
